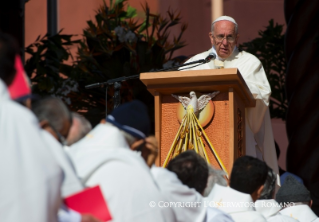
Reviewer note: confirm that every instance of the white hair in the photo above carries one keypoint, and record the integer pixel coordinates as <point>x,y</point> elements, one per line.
<point>83,128</point>
<point>225,18</point>
<point>128,137</point>
<point>214,176</point>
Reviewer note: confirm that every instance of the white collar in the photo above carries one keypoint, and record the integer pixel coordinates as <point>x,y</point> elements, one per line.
<point>267,208</point>
<point>229,200</point>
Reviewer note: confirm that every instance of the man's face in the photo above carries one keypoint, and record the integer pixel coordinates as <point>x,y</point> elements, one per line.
<point>74,132</point>
<point>66,128</point>
<point>224,38</point>
<point>58,135</point>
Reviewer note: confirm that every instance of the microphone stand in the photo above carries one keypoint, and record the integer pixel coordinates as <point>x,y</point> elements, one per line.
<point>117,82</point>
<point>117,87</point>
<point>201,61</point>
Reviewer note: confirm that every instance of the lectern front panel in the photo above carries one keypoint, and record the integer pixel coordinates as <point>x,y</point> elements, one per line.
<point>218,130</point>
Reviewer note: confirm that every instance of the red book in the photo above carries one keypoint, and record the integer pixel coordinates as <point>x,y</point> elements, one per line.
<point>89,201</point>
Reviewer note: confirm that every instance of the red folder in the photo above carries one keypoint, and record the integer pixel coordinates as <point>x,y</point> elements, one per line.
<point>89,201</point>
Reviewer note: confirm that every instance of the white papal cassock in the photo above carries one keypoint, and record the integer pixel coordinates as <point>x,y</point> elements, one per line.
<point>30,177</point>
<point>259,135</point>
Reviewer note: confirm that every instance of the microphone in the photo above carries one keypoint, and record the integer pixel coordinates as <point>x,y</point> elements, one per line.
<point>210,57</point>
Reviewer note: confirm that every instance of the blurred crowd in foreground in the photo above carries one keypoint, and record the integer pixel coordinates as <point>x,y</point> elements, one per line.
<point>49,154</point>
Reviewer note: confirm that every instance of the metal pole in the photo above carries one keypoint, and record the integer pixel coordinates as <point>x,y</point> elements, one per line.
<point>217,9</point>
<point>117,94</point>
<point>52,17</point>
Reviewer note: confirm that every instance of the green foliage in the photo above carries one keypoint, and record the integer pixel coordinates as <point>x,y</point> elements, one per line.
<point>117,44</point>
<point>269,49</point>
<point>46,63</point>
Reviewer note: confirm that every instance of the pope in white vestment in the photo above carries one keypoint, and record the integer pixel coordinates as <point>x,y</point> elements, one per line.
<point>104,158</point>
<point>30,177</point>
<point>259,135</point>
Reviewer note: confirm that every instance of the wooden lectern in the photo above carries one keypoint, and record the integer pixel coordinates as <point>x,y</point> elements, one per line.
<point>226,131</point>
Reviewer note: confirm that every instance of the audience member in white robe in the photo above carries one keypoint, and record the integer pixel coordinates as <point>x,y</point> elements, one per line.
<point>104,157</point>
<point>30,177</point>
<point>80,127</point>
<point>266,205</point>
<point>246,184</point>
<point>296,200</point>
<point>215,176</point>
<point>182,184</point>
<point>55,118</point>
<point>259,136</point>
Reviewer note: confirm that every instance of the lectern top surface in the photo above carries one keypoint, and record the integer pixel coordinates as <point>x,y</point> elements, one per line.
<point>207,80</point>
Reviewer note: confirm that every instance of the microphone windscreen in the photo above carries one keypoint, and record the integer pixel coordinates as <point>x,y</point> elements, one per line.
<point>210,57</point>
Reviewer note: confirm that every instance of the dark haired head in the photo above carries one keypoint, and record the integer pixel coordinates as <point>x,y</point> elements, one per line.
<point>248,174</point>
<point>191,169</point>
<point>8,52</point>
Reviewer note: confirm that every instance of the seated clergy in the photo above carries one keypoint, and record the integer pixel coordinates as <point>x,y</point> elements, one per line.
<point>266,205</point>
<point>215,176</point>
<point>246,184</point>
<point>54,118</point>
<point>296,200</point>
<point>106,157</point>
<point>182,183</point>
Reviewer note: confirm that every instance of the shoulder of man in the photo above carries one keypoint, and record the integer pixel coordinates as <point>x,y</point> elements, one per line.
<point>19,112</point>
<point>216,215</point>
<point>249,56</point>
<point>248,216</point>
<point>281,218</point>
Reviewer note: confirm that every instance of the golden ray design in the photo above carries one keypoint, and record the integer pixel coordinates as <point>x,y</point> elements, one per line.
<point>190,137</point>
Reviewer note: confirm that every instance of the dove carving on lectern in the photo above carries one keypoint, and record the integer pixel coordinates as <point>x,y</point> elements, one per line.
<point>197,104</point>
